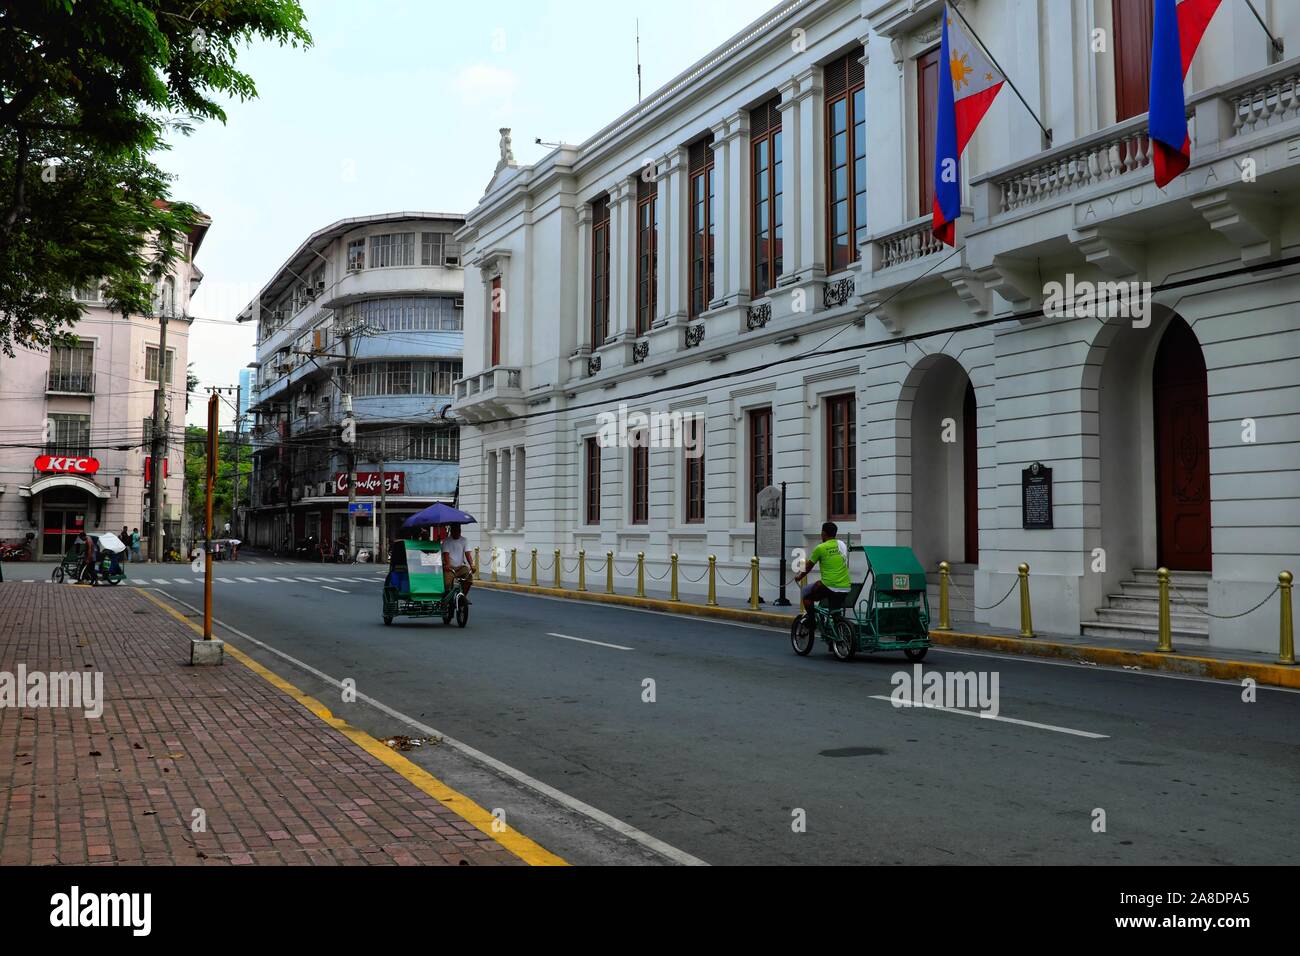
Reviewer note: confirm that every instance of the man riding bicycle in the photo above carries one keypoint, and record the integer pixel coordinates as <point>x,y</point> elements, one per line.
<point>832,557</point>
<point>458,561</point>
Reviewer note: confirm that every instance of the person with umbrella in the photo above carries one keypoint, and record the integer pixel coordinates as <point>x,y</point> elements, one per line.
<point>458,557</point>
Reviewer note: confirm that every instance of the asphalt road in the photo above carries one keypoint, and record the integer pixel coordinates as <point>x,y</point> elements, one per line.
<point>741,734</point>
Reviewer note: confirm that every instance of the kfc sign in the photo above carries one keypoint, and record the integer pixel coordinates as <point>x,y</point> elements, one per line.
<point>61,465</point>
<point>368,483</point>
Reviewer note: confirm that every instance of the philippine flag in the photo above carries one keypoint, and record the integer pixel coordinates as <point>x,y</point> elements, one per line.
<point>968,82</point>
<point>1176,31</point>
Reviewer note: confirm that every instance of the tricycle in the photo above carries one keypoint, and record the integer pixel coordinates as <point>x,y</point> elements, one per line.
<point>415,586</point>
<point>893,616</point>
<point>108,561</point>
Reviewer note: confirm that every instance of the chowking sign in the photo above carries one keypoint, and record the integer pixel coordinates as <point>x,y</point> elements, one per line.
<point>368,483</point>
<point>66,465</point>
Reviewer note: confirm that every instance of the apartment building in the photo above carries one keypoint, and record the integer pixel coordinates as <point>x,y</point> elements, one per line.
<point>77,420</point>
<point>368,310</point>
<point>752,244</point>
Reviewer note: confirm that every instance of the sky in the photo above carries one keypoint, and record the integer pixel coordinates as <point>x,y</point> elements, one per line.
<point>397,106</point>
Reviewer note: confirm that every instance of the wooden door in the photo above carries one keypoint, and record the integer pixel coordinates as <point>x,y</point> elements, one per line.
<point>970,476</point>
<point>1182,432</point>
<point>496,321</point>
<point>1131,20</point>
<point>927,118</point>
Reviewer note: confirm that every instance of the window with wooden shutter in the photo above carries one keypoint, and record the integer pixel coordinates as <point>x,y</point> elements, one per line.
<point>765,195</point>
<point>647,252</point>
<point>846,160</point>
<point>927,119</point>
<point>841,458</point>
<point>599,271</point>
<point>1131,29</point>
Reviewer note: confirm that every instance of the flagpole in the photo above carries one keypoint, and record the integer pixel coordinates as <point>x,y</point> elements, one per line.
<point>1047,133</point>
<point>1275,45</point>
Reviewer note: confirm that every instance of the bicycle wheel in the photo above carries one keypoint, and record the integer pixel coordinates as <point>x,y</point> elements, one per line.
<point>844,639</point>
<point>462,610</point>
<point>57,575</point>
<point>801,637</point>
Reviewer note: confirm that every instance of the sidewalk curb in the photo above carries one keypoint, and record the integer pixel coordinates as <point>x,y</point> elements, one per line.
<point>1277,675</point>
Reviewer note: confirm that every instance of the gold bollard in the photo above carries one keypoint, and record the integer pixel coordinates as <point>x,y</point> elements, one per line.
<point>1286,653</point>
<point>514,565</point>
<point>534,581</point>
<point>477,563</point>
<point>640,574</point>
<point>609,572</point>
<point>945,619</point>
<point>713,584</point>
<point>1165,638</point>
<point>582,570</point>
<point>1026,616</point>
<point>493,558</point>
<point>673,593</point>
<point>753,583</point>
<point>557,569</point>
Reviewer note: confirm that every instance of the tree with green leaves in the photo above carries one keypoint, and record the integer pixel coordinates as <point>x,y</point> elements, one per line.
<point>89,90</point>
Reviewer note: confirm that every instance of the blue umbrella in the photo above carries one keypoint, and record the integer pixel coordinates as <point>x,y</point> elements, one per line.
<point>438,514</point>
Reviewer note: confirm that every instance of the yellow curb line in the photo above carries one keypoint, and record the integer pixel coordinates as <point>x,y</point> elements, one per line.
<point>1279,675</point>
<point>521,846</point>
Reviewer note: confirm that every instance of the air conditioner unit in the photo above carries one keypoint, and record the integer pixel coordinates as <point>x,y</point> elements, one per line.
<point>322,489</point>
<point>453,261</point>
<point>459,304</point>
<point>320,287</point>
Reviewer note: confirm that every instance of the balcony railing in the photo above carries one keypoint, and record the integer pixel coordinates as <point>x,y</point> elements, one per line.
<point>79,383</point>
<point>493,379</point>
<point>908,243</point>
<point>1266,104</point>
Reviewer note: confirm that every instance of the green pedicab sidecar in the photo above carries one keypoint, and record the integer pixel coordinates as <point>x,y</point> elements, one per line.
<point>414,586</point>
<point>892,610</point>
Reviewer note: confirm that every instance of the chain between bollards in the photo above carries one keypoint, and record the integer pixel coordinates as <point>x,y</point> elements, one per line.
<point>1165,637</point>
<point>945,618</point>
<point>753,583</point>
<point>1286,636</point>
<point>1026,615</point>
<point>713,583</point>
<point>582,570</point>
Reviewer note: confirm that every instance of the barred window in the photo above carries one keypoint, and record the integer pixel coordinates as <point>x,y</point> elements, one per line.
<point>72,368</point>
<point>151,363</point>
<point>392,249</point>
<point>423,313</point>
<point>414,443</point>
<point>356,255</point>
<point>71,435</point>
<point>406,378</point>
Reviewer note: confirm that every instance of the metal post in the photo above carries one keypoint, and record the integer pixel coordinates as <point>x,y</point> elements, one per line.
<point>945,621</point>
<point>1026,616</point>
<point>477,563</point>
<point>713,583</point>
<point>382,536</point>
<point>782,600</point>
<point>214,410</point>
<point>609,572</point>
<point>534,577</point>
<point>557,569</point>
<point>582,570</point>
<point>514,565</point>
<point>1286,639</point>
<point>753,583</point>
<point>672,593</point>
<point>640,574</point>
<point>1164,641</point>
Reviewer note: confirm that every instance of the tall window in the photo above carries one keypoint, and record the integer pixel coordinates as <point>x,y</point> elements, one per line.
<point>71,435</point>
<point>392,249</point>
<point>599,271</point>
<point>405,378</point>
<point>356,255</point>
<point>841,458</point>
<point>760,454</point>
<point>72,368</point>
<point>421,313</point>
<point>647,252</point>
<point>703,225</point>
<point>846,161</point>
<point>765,192</point>
<point>591,463</point>
<point>641,480</point>
<point>927,119</point>
<point>151,363</point>
<point>1131,27</point>
<point>693,427</point>
<point>495,331</point>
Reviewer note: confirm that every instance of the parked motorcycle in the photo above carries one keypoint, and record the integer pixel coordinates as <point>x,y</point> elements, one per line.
<point>17,550</point>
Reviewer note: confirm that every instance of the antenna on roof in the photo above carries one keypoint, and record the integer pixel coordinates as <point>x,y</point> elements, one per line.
<point>638,59</point>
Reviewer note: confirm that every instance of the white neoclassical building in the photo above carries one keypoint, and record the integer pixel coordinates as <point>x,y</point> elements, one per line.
<point>752,243</point>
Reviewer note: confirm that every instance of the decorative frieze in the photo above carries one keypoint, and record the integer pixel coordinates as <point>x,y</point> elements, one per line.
<point>758,315</point>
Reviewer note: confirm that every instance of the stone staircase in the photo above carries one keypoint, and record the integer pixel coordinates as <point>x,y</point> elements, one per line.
<point>1134,613</point>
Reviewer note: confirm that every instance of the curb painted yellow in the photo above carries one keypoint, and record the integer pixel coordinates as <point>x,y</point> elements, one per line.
<point>521,846</point>
<point>1278,675</point>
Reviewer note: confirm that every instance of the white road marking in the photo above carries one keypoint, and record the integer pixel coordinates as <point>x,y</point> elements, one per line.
<point>567,637</point>
<point>161,581</point>
<point>267,580</point>
<point>326,587</point>
<point>182,580</point>
<point>998,717</point>
<point>287,580</point>
<point>308,580</point>
<point>559,796</point>
<point>246,580</point>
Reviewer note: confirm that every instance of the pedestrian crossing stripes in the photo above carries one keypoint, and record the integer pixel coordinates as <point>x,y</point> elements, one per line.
<point>217,579</point>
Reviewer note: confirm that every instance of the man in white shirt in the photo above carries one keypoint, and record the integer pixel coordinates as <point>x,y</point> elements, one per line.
<point>457,560</point>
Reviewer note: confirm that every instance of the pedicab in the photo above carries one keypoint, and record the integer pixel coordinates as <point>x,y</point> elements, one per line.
<point>414,586</point>
<point>108,569</point>
<point>888,610</point>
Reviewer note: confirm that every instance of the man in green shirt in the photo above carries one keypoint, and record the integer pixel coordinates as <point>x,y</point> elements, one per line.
<point>832,556</point>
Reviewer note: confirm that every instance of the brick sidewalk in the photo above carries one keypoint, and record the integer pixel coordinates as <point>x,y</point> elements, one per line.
<point>277,784</point>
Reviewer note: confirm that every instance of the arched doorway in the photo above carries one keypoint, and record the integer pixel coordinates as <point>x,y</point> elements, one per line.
<point>944,464</point>
<point>1182,445</point>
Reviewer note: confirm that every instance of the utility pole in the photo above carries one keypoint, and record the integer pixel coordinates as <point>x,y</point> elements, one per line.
<point>239,467</point>
<point>349,439</point>
<point>214,411</point>
<point>159,451</point>
<point>382,534</point>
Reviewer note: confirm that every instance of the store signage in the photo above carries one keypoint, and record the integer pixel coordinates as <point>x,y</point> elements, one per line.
<point>148,468</point>
<point>63,465</point>
<point>368,483</point>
